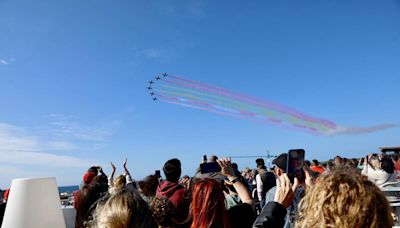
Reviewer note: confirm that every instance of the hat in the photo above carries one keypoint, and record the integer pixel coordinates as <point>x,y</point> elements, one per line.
<point>281,161</point>
<point>88,177</point>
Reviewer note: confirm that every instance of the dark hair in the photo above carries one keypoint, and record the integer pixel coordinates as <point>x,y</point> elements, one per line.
<point>88,195</point>
<point>149,185</point>
<point>213,158</point>
<point>315,161</point>
<point>241,216</point>
<point>235,166</point>
<point>94,169</point>
<point>307,162</point>
<point>387,165</point>
<point>260,161</point>
<point>260,166</point>
<point>395,157</point>
<point>172,170</point>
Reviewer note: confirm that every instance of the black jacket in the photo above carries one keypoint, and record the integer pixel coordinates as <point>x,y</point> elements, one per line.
<point>272,215</point>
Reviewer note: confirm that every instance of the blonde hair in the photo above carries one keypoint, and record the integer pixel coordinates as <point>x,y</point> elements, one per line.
<point>122,210</point>
<point>344,198</point>
<point>119,182</point>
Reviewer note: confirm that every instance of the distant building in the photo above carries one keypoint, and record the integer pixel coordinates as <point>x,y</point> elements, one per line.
<point>390,150</point>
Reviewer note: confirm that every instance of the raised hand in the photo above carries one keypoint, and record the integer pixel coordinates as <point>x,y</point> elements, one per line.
<point>285,191</point>
<point>226,167</point>
<point>309,179</point>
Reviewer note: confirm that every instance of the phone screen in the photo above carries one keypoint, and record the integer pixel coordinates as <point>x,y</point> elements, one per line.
<point>210,167</point>
<point>295,163</point>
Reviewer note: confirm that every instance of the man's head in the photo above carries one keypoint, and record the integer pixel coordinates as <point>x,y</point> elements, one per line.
<point>280,164</point>
<point>213,158</point>
<point>260,161</point>
<point>338,160</point>
<point>315,162</point>
<point>172,170</point>
<point>261,167</point>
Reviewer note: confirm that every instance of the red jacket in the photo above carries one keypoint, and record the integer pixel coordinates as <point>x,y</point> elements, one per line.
<point>176,194</point>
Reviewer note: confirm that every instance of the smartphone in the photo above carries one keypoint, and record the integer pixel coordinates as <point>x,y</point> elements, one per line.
<point>157,173</point>
<point>210,167</point>
<point>295,163</point>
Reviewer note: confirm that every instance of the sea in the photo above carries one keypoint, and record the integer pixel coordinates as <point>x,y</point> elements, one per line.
<point>69,189</point>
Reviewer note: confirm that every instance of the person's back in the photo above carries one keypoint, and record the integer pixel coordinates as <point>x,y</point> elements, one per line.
<point>171,189</point>
<point>377,173</point>
<point>280,167</point>
<point>88,196</point>
<point>269,180</point>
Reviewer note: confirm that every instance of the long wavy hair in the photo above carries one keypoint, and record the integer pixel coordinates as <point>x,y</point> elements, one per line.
<point>87,196</point>
<point>125,209</point>
<point>341,199</point>
<point>208,205</point>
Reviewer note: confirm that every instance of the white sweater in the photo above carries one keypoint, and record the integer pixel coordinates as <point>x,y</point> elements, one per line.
<point>378,176</point>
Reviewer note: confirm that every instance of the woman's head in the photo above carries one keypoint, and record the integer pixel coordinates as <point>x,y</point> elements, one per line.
<point>163,211</point>
<point>119,182</point>
<point>344,198</point>
<point>375,163</point>
<point>387,165</point>
<point>149,185</point>
<point>88,195</point>
<point>208,205</point>
<point>124,209</point>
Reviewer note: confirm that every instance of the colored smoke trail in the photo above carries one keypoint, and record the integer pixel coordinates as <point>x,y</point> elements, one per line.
<point>198,95</point>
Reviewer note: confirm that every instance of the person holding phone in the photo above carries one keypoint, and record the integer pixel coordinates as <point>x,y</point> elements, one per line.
<point>208,207</point>
<point>280,170</point>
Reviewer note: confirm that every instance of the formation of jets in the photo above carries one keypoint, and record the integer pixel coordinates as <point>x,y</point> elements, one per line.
<point>151,82</point>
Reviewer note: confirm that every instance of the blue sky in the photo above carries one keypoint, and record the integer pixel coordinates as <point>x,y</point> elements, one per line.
<point>73,77</point>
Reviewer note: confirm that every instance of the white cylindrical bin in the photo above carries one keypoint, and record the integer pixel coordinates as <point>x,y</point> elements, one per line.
<point>33,203</point>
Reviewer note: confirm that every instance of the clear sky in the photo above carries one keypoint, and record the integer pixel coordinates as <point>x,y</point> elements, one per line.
<point>73,77</point>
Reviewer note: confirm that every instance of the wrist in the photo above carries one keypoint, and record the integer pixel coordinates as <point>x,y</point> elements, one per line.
<point>233,179</point>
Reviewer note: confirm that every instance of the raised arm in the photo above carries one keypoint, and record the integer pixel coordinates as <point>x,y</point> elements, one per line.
<point>227,170</point>
<point>111,178</point>
<point>129,180</point>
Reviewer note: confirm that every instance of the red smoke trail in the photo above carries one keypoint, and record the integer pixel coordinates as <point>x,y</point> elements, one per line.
<point>247,99</point>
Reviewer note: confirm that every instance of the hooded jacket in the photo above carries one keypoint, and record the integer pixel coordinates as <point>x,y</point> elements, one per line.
<point>176,193</point>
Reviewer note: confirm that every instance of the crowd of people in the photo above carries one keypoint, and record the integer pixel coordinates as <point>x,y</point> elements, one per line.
<point>338,193</point>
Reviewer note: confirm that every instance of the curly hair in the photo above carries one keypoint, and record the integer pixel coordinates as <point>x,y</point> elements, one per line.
<point>344,198</point>
<point>163,211</point>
